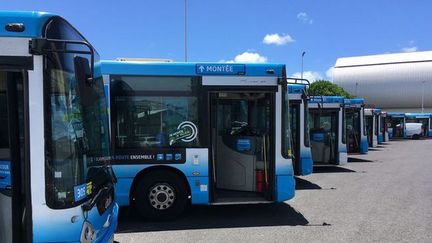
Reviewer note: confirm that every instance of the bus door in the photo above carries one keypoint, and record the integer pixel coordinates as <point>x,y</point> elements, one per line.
<point>398,127</point>
<point>324,135</point>
<point>241,142</point>
<point>369,129</point>
<point>15,204</point>
<point>353,132</point>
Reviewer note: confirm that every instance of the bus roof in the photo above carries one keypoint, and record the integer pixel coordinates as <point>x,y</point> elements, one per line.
<point>327,99</point>
<point>395,114</point>
<point>192,69</point>
<point>354,101</point>
<point>33,22</point>
<point>296,88</point>
<point>418,115</point>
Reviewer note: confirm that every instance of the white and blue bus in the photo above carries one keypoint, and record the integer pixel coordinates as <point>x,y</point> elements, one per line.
<point>356,139</point>
<point>56,184</point>
<point>424,118</point>
<point>396,125</point>
<point>199,133</point>
<point>299,113</point>
<point>327,130</point>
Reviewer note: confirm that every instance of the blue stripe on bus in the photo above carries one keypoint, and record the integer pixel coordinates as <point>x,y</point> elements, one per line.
<point>180,69</point>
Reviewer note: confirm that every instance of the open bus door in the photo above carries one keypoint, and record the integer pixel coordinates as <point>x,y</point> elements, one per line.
<point>242,145</point>
<point>324,133</point>
<point>15,205</point>
<point>299,114</point>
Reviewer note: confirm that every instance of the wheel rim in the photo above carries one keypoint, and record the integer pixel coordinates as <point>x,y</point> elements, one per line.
<point>161,196</point>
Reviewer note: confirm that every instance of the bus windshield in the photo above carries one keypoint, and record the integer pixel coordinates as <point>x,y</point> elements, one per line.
<point>77,133</point>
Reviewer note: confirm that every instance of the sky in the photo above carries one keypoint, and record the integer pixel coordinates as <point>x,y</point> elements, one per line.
<point>276,31</point>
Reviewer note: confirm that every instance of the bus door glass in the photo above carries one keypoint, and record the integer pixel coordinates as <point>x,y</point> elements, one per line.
<point>13,219</point>
<point>397,124</point>
<point>324,133</point>
<point>369,129</point>
<point>295,134</point>
<point>353,132</point>
<point>241,143</point>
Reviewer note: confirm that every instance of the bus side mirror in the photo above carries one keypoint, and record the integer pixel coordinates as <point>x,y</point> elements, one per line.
<point>83,71</point>
<point>83,76</point>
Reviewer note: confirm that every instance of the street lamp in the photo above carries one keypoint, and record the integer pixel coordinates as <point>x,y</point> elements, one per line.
<point>302,64</point>
<point>185,34</point>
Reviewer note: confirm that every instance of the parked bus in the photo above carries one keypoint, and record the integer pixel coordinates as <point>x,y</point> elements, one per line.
<point>299,113</point>
<point>204,133</point>
<point>355,132</point>
<point>327,130</point>
<point>424,118</point>
<point>396,125</point>
<point>56,184</point>
<point>372,126</point>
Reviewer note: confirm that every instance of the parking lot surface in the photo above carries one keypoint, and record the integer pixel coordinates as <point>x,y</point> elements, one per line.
<point>384,196</point>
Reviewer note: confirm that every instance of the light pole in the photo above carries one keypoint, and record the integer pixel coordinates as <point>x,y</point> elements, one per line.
<point>422,106</point>
<point>356,89</point>
<point>185,31</point>
<point>302,64</point>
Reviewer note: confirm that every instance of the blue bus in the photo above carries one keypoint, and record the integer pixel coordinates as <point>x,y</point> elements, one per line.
<point>198,133</point>
<point>354,119</point>
<point>56,183</point>
<point>396,125</point>
<point>327,130</point>
<point>299,113</point>
<point>424,118</point>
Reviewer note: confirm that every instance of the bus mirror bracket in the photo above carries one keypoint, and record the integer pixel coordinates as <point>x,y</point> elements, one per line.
<point>41,46</point>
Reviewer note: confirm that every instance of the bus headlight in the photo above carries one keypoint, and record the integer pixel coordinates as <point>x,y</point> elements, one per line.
<point>88,233</point>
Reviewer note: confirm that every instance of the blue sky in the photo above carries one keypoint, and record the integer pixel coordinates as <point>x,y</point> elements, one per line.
<point>236,30</point>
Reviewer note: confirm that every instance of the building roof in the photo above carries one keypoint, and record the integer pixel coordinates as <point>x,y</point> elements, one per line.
<point>406,57</point>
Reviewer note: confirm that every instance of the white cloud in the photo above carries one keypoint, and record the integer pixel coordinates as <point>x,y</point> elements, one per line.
<point>410,49</point>
<point>276,39</point>
<point>247,57</point>
<point>309,75</point>
<point>329,73</point>
<point>302,16</point>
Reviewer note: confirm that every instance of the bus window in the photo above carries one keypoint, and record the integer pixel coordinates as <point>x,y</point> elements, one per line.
<point>4,131</point>
<point>148,113</point>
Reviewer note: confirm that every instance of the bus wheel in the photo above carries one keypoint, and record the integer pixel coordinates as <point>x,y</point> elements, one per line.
<point>161,195</point>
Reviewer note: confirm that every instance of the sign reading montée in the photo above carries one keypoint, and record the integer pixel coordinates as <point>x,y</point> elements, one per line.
<point>220,69</point>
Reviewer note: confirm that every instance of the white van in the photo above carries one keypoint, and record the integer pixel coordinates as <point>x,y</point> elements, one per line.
<point>413,130</point>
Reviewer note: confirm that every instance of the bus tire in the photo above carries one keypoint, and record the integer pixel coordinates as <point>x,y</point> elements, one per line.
<point>161,195</point>
<point>416,137</point>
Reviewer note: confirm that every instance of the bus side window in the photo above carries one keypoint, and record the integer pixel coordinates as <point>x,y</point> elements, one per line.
<point>155,112</point>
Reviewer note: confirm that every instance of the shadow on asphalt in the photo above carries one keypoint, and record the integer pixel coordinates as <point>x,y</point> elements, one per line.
<point>375,149</point>
<point>214,217</point>
<point>302,184</point>
<point>358,160</point>
<point>331,169</point>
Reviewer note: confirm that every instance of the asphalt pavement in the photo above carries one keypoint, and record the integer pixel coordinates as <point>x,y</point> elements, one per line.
<point>384,196</point>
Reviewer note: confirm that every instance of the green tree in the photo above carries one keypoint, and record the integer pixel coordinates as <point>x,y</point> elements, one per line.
<point>327,88</point>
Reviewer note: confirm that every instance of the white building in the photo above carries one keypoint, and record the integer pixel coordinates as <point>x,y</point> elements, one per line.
<point>394,82</point>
